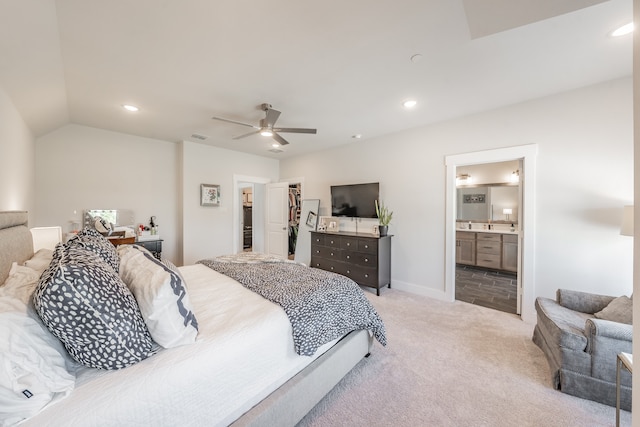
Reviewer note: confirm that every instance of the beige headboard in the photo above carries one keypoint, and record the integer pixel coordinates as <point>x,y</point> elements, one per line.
<point>16,243</point>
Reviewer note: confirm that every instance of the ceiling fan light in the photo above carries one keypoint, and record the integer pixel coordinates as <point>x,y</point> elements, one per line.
<point>266,132</point>
<point>131,108</point>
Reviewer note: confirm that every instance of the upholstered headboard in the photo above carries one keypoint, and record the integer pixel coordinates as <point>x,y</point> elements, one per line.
<point>16,243</point>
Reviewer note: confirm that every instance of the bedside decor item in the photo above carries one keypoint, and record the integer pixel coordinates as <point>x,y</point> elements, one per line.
<point>209,195</point>
<point>384,217</point>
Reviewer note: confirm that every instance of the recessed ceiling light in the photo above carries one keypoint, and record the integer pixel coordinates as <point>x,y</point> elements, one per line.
<point>624,30</point>
<point>410,103</point>
<point>275,145</point>
<point>131,108</point>
<point>356,136</point>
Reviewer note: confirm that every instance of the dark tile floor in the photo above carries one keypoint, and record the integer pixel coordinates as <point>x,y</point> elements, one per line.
<point>487,288</point>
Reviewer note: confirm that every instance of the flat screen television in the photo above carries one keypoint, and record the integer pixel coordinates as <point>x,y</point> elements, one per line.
<point>355,200</point>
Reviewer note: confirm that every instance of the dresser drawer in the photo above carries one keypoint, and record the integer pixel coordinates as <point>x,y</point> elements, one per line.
<point>368,245</point>
<point>317,239</point>
<point>328,265</point>
<point>361,259</point>
<point>331,240</point>
<point>488,260</point>
<point>362,275</point>
<point>488,247</point>
<point>327,252</point>
<point>349,243</point>
<point>489,237</point>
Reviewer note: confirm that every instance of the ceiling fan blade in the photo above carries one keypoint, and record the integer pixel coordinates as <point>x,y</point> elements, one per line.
<point>235,122</point>
<point>280,139</point>
<point>296,130</point>
<point>272,116</point>
<point>246,134</point>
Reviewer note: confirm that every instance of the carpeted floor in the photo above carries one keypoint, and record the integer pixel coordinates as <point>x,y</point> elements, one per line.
<point>453,364</point>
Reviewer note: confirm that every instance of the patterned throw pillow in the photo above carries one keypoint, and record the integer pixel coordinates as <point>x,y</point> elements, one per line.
<point>161,295</point>
<point>91,240</point>
<point>86,305</point>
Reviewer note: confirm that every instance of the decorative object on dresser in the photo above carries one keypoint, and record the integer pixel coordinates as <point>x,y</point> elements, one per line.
<point>366,259</point>
<point>384,217</point>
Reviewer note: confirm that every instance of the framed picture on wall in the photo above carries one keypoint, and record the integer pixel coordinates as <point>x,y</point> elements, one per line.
<point>209,195</point>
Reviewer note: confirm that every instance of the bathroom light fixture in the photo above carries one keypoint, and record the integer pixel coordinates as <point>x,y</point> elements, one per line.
<point>515,176</point>
<point>624,30</point>
<point>410,103</point>
<point>507,212</point>
<point>131,108</point>
<point>464,178</point>
<point>627,221</point>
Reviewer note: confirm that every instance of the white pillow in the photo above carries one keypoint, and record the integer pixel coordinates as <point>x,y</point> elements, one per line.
<point>161,295</point>
<point>33,366</point>
<point>40,260</point>
<point>21,283</point>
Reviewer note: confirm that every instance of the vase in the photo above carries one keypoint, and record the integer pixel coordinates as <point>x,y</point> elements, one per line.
<point>383,230</point>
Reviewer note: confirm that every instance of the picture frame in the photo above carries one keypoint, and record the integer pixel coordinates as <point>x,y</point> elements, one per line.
<point>209,195</point>
<point>312,219</point>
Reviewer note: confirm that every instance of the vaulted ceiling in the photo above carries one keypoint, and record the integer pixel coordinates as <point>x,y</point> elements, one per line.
<point>343,67</point>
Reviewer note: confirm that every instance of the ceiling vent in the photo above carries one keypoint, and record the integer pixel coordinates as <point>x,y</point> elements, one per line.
<point>198,136</point>
<point>276,150</point>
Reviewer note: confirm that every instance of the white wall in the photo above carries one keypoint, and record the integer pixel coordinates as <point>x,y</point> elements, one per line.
<point>17,154</point>
<point>208,230</point>
<point>80,167</point>
<point>585,176</point>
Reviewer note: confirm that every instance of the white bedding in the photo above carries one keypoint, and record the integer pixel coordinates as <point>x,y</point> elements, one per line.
<point>244,351</point>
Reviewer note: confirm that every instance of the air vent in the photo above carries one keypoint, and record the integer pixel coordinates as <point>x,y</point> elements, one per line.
<point>198,136</point>
<point>276,150</point>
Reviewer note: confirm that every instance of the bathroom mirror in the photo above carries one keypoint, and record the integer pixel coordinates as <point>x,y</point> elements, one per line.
<point>488,202</point>
<point>118,217</point>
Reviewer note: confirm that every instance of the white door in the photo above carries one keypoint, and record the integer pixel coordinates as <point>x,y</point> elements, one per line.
<point>277,236</point>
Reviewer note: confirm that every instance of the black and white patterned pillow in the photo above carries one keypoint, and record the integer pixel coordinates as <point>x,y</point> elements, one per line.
<point>91,240</point>
<point>86,305</point>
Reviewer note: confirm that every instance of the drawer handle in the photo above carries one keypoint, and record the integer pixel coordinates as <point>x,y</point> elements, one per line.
<point>331,253</point>
<point>331,268</point>
<point>317,251</point>
<point>348,257</point>
<point>348,244</point>
<point>366,246</point>
<point>332,242</point>
<point>366,260</point>
<point>366,275</point>
<point>348,271</point>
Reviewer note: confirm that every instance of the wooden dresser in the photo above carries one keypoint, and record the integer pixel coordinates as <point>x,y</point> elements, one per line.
<point>366,259</point>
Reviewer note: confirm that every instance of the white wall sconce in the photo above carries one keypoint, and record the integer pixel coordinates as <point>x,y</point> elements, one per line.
<point>627,221</point>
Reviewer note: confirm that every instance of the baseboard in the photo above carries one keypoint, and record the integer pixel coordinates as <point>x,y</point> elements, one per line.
<point>439,294</point>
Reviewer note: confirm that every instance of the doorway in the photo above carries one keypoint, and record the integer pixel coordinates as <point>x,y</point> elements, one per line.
<point>525,253</point>
<point>257,187</point>
<point>487,226</point>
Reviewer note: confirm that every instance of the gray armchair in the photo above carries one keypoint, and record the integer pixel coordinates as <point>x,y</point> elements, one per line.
<point>581,345</point>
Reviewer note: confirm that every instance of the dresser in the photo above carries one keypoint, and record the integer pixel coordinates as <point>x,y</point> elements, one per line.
<point>153,246</point>
<point>366,259</point>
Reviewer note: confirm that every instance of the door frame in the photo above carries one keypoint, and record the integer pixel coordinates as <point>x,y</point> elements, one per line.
<point>238,180</point>
<point>526,243</point>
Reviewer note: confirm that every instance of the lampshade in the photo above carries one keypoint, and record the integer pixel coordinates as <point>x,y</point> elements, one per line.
<point>507,211</point>
<point>46,237</point>
<point>627,221</point>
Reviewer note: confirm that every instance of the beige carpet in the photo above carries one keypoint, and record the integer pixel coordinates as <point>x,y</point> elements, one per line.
<point>453,364</point>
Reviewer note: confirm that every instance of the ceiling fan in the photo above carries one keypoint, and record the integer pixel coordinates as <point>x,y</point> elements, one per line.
<point>266,127</point>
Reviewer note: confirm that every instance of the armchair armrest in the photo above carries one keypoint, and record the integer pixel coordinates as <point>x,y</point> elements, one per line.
<point>583,302</point>
<point>611,332</point>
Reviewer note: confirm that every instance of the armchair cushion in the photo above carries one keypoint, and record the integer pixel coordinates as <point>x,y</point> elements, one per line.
<point>619,310</point>
<point>583,302</point>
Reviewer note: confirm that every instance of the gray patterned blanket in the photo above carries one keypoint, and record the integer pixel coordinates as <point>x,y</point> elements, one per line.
<point>321,305</point>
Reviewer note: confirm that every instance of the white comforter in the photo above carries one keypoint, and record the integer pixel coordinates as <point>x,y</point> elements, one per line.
<point>244,351</point>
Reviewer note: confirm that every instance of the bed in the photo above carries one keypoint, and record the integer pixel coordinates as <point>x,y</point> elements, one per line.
<point>233,373</point>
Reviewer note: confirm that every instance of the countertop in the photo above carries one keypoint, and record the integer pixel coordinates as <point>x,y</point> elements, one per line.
<point>480,230</point>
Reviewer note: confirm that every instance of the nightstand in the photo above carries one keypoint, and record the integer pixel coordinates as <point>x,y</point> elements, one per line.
<point>153,246</point>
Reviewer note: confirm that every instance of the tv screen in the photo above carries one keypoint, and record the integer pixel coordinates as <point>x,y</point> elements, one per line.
<point>355,200</point>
